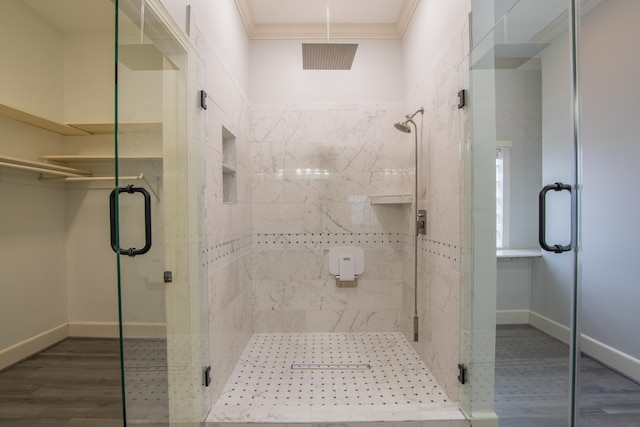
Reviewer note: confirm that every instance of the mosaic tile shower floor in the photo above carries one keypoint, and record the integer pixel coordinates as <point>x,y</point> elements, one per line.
<point>329,377</point>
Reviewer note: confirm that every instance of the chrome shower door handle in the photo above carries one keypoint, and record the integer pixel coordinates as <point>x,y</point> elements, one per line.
<point>147,220</point>
<point>542,216</point>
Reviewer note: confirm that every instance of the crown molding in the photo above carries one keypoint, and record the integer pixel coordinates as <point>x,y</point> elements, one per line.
<point>318,31</point>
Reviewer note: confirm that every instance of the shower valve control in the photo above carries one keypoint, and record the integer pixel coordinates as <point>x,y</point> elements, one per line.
<point>421,221</point>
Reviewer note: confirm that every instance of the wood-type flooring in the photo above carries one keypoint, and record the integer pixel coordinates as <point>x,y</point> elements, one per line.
<point>77,383</point>
<point>74,383</point>
<point>532,385</point>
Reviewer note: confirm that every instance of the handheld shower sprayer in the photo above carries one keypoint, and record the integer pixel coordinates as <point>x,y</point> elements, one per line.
<point>420,215</point>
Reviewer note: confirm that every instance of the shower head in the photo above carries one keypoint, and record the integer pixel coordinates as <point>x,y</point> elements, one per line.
<point>404,126</point>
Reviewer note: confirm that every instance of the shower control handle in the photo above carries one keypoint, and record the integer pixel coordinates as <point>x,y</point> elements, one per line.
<point>421,221</point>
<point>542,218</point>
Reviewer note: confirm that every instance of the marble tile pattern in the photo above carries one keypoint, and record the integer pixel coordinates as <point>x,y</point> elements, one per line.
<point>227,254</point>
<point>440,192</point>
<point>314,168</point>
<point>294,292</point>
<point>331,377</point>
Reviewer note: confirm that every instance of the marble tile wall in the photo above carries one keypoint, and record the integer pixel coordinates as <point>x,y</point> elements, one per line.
<point>228,247</point>
<point>440,193</point>
<point>314,169</point>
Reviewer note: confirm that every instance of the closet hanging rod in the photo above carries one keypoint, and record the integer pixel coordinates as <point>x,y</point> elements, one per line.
<point>41,170</point>
<point>104,178</point>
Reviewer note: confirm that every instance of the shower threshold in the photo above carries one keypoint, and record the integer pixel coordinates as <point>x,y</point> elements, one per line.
<point>332,377</point>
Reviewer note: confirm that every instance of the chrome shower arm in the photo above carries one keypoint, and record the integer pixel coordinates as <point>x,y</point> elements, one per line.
<point>411,116</point>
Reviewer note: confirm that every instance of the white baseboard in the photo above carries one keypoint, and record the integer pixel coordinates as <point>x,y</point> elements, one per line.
<point>94,329</point>
<point>550,327</point>
<point>616,359</point>
<point>33,345</point>
<point>111,330</point>
<point>621,362</point>
<point>484,419</point>
<point>28,347</point>
<point>512,317</point>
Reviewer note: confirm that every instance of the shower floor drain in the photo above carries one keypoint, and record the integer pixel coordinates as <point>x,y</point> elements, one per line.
<point>337,376</point>
<point>328,366</point>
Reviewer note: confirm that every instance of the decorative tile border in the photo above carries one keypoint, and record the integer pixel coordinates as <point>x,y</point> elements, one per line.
<point>316,241</point>
<point>446,251</point>
<point>223,253</point>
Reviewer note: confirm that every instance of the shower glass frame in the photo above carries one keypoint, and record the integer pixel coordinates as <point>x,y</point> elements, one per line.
<point>521,40</point>
<point>162,294</point>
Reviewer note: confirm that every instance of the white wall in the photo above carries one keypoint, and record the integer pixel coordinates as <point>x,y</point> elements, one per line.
<point>276,74</point>
<point>552,275</point>
<point>34,50</point>
<point>609,69</point>
<point>61,269</point>
<point>429,36</point>
<point>518,120</point>
<point>435,51</point>
<point>33,295</point>
<point>88,77</point>
<point>32,214</point>
<point>220,39</point>
<point>222,28</point>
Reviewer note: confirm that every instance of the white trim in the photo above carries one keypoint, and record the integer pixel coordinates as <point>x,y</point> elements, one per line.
<point>621,362</point>
<point>512,317</point>
<point>111,330</point>
<point>27,348</point>
<point>549,327</point>
<point>31,346</point>
<point>258,31</point>
<point>603,353</point>
<point>93,329</point>
<point>484,419</point>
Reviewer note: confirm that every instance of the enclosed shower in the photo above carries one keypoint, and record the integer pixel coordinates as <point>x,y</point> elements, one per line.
<point>236,312</point>
<point>325,347</point>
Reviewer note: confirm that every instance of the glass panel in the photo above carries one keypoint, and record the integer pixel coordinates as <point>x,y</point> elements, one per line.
<point>164,335</point>
<point>608,69</point>
<point>523,87</point>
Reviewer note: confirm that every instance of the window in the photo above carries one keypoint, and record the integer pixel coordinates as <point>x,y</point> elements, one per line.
<point>502,193</point>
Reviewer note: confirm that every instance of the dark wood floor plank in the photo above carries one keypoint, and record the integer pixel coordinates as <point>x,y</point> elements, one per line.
<point>532,384</point>
<point>75,383</point>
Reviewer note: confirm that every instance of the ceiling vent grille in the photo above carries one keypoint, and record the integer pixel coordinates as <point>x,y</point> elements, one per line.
<point>328,56</point>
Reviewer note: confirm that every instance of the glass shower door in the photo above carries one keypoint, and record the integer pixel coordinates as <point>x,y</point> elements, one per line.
<point>527,58</point>
<point>157,219</point>
<point>608,389</point>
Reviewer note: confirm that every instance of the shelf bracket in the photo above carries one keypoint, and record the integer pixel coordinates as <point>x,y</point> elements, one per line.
<point>153,190</point>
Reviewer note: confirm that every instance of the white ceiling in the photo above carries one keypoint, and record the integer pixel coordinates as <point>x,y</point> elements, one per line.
<point>263,19</point>
<point>307,19</point>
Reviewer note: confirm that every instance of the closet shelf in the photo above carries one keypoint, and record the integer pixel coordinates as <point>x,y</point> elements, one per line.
<point>76,129</point>
<point>102,178</point>
<point>91,159</point>
<point>401,199</point>
<point>109,128</point>
<point>45,168</point>
<point>41,122</point>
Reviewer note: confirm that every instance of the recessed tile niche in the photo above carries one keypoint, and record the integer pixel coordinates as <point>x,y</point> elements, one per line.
<point>229,181</point>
